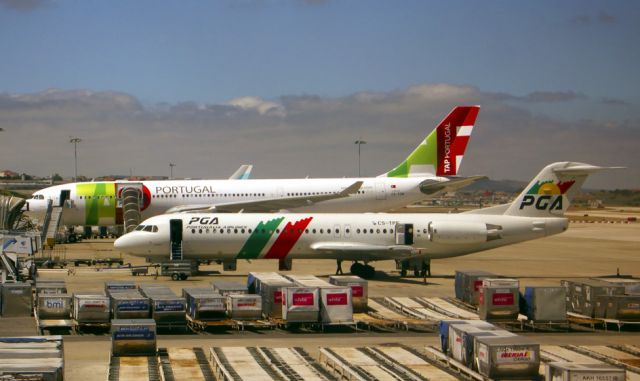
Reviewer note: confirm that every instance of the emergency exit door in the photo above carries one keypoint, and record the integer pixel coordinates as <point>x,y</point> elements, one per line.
<point>404,234</point>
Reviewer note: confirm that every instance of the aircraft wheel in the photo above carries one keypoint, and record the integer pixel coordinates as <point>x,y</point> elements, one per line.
<point>357,269</point>
<point>369,272</point>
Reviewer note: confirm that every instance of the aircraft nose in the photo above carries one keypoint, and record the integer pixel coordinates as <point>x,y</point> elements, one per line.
<point>126,243</point>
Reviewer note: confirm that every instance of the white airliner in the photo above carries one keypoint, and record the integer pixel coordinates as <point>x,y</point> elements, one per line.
<point>429,169</point>
<point>410,239</point>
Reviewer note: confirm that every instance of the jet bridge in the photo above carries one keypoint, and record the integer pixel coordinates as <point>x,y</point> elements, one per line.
<point>129,204</point>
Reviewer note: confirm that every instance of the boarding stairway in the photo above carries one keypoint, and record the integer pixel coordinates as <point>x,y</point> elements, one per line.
<point>176,251</point>
<point>130,198</point>
<point>51,225</point>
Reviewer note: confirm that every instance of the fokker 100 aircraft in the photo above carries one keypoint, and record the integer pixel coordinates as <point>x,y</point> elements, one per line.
<point>431,168</point>
<point>410,239</point>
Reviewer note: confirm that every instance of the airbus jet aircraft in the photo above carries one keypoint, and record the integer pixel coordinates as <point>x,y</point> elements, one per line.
<point>429,169</point>
<point>410,239</point>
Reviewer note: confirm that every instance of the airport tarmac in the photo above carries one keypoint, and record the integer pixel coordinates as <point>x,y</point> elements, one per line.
<point>585,250</point>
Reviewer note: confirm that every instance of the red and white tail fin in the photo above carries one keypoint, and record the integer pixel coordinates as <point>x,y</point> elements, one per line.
<point>441,152</point>
<point>453,135</point>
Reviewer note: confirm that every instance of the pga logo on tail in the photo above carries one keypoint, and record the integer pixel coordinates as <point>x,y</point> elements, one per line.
<point>546,195</point>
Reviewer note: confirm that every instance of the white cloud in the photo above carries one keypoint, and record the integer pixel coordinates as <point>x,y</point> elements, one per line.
<point>258,104</point>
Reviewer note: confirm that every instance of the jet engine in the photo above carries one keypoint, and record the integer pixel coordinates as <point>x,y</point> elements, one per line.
<point>459,233</point>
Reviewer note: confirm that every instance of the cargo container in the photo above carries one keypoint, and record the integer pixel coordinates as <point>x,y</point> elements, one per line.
<point>254,279</point>
<point>44,370</point>
<point>594,289</point>
<point>546,304</point>
<point>54,306</point>
<point>301,304</point>
<point>468,283</point>
<point>570,371</point>
<point>91,308</point>
<point>118,285</point>
<point>227,287</point>
<point>499,303</point>
<point>443,332</point>
<point>205,304</point>
<point>501,282</point>
<point>133,337</point>
<point>465,336</point>
<point>271,293</point>
<point>335,305</point>
<point>359,290</point>
<point>631,286</point>
<point>16,299</point>
<point>244,307</point>
<point>454,334</point>
<point>167,309</point>
<point>623,307</point>
<point>50,287</point>
<point>129,304</point>
<point>504,357</point>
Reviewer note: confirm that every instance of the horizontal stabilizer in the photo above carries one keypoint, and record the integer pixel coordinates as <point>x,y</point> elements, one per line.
<point>432,186</point>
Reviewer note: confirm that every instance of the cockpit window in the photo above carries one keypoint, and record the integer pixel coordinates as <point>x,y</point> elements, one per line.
<point>38,197</point>
<point>139,227</point>
<point>148,228</point>
<point>155,229</point>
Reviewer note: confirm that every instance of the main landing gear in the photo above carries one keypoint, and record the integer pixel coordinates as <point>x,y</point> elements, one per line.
<point>363,270</point>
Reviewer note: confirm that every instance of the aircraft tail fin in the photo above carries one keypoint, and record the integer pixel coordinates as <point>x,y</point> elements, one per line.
<point>441,152</point>
<point>550,193</point>
<point>242,173</point>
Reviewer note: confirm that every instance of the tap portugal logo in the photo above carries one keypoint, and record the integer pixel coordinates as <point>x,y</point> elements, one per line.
<point>546,195</point>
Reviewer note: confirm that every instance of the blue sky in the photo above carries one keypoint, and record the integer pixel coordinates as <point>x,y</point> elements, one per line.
<point>569,61</point>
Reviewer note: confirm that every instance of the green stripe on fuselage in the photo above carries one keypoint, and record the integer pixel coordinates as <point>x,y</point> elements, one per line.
<point>99,201</point>
<point>259,239</point>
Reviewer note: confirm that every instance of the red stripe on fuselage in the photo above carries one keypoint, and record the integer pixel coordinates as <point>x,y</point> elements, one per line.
<point>287,239</point>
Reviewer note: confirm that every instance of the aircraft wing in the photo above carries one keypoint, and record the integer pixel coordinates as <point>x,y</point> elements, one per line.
<point>433,186</point>
<point>358,250</point>
<point>267,205</point>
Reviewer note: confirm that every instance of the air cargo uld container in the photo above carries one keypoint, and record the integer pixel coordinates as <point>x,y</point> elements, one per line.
<point>254,279</point>
<point>631,286</point>
<point>623,307</point>
<point>46,369</point>
<point>571,371</point>
<point>359,290</point>
<point>118,285</point>
<point>32,358</point>
<point>546,303</point>
<point>91,308</point>
<point>504,357</point>
<point>133,337</point>
<point>466,335</point>
<point>228,287</point>
<point>454,335</point>
<point>594,289</point>
<point>271,292</point>
<point>244,307</point>
<point>499,299</point>
<point>301,304</point>
<point>166,307</point>
<point>129,304</point>
<point>468,283</point>
<point>335,305</point>
<point>205,304</point>
<point>49,287</point>
<point>443,332</point>
<point>54,306</point>
<point>16,299</point>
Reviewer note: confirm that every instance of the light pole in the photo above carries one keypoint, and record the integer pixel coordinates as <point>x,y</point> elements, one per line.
<point>75,141</point>
<point>359,142</point>
<point>171,165</point>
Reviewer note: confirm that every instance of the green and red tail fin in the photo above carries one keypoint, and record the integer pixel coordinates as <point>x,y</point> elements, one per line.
<point>441,152</point>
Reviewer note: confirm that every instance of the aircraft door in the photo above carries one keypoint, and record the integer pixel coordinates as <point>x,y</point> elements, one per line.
<point>404,234</point>
<point>65,194</point>
<point>381,193</point>
<point>175,230</point>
